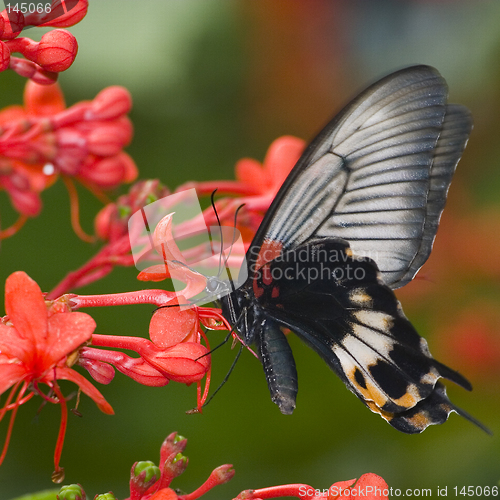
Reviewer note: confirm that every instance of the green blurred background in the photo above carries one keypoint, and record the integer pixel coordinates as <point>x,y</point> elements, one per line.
<point>214,81</point>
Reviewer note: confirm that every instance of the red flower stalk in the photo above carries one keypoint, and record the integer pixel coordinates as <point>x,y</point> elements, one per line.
<point>39,342</point>
<point>57,49</point>
<point>42,139</point>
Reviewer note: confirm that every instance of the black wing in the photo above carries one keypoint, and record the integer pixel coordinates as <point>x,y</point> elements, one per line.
<point>372,184</point>
<point>376,176</point>
<point>339,305</point>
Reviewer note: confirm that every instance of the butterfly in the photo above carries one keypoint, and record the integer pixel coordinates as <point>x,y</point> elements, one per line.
<point>355,219</point>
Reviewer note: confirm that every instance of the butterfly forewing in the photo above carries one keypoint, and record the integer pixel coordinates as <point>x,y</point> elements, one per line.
<point>368,176</point>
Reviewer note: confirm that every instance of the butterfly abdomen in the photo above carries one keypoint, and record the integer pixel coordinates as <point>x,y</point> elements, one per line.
<point>279,365</point>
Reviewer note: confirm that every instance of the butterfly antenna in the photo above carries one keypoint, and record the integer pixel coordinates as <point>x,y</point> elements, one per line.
<point>187,267</point>
<point>212,199</point>
<point>231,248</point>
<point>226,378</point>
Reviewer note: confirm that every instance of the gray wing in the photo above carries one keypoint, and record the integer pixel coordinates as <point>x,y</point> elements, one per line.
<point>377,175</point>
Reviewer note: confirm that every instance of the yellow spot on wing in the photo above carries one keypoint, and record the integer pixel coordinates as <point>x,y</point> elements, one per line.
<point>359,297</point>
<point>420,420</point>
<point>371,393</point>
<point>410,399</point>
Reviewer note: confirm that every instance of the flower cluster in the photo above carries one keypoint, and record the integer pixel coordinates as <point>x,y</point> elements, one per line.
<point>57,49</point>
<point>39,342</point>
<point>36,322</point>
<point>43,138</point>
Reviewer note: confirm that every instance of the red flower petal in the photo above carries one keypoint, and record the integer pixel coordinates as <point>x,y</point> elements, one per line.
<point>43,100</point>
<point>158,272</point>
<point>165,494</point>
<point>67,331</point>
<point>178,363</point>
<point>26,308</point>
<point>12,114</point>
<point>169,325</point>
<point>281,156</point>
<point>375,486</point>
<point>10,373</point>
<point>251,173</point>
<point>12,345</point>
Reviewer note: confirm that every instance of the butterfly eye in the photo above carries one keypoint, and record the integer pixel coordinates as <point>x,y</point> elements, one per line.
<point>213,285</point>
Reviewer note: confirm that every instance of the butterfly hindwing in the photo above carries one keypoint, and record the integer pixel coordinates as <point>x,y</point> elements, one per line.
<point>339,305</point>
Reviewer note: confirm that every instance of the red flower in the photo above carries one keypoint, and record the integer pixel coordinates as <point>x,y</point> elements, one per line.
<point>255,188</point>
<point>43,138</point>
<point>471,338</point>
<point>38,344</point>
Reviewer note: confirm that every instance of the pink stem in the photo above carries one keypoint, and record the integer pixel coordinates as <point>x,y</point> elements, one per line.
<point>154,297</point>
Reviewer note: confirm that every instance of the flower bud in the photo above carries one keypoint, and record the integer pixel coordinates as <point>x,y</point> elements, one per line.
<point>148,471</point>
<point>71,17</point>
<point>106,173</point>
<point>71,492</point>
<point>25,202</point>
<point>223,473</point>
<point>174,443</point>
<point>13,24</point>
<point>57,50</point>
<point>108,139</point>
<point>175,465</point>
<point>110,103</point>
<point>101,372</point>
<point>105,496</point>
<point>142,476</point>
